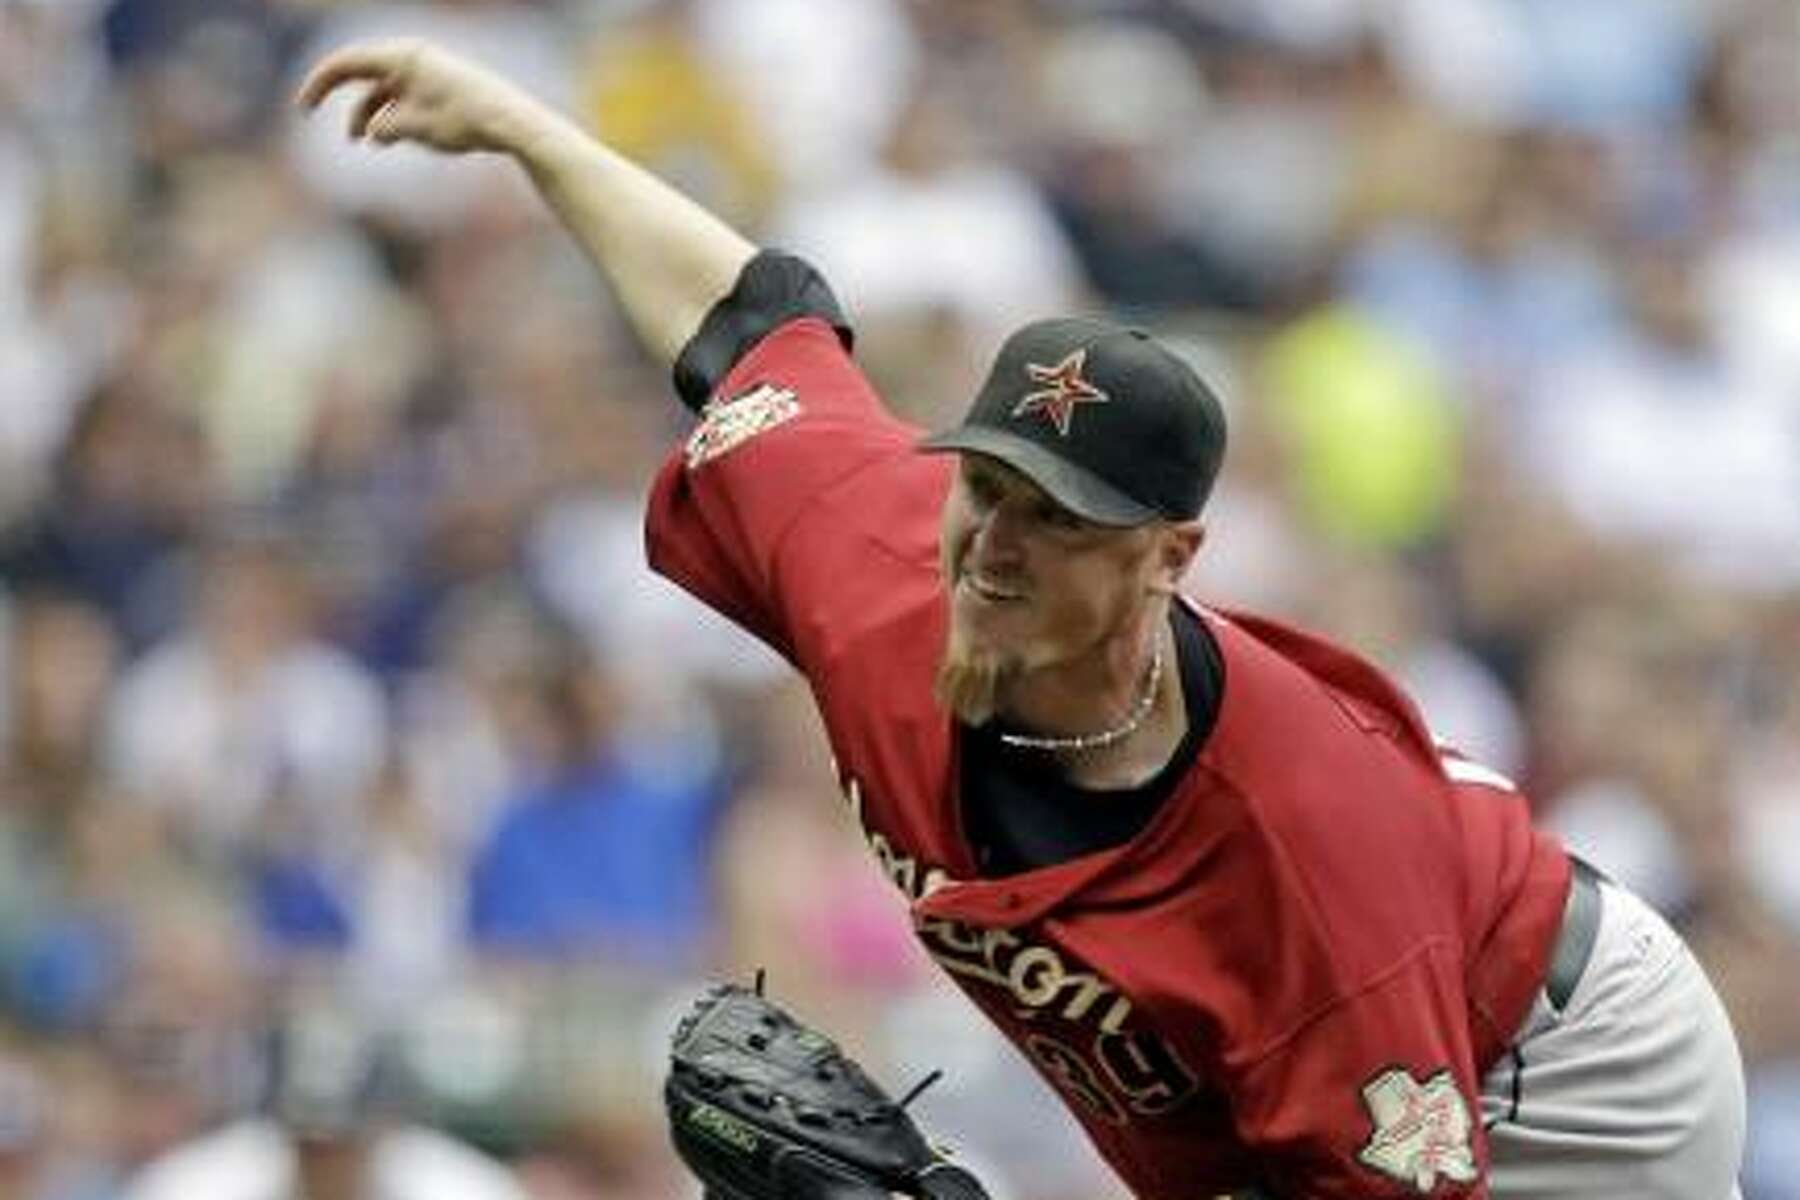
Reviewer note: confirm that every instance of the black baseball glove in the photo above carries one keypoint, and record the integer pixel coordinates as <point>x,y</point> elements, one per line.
<point>763,1108</point>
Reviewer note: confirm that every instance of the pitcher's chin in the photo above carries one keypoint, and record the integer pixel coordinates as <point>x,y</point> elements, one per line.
<point>969,679</point>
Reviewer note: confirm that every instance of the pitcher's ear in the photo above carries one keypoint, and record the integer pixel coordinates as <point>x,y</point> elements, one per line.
<point>1176,550</point>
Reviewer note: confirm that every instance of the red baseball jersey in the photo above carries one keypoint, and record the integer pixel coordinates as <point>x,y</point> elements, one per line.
<point>1292,978</point>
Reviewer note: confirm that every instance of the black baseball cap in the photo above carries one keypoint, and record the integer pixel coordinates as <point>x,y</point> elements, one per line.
<point>1107,420</point>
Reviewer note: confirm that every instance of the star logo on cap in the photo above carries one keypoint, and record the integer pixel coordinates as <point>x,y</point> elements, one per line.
<point>1060,389</point>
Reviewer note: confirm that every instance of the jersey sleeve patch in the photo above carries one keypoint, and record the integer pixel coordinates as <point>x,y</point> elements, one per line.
<point>726,424</point>
<point>1421,1130</point>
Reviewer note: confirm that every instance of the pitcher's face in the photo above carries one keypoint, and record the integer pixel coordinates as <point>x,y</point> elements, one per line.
<point>1030,583</point>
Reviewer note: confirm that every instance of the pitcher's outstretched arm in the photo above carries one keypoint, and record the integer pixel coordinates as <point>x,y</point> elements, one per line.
<point>667,258</point>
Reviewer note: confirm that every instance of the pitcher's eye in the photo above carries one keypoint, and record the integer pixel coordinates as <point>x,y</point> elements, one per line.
<point>1057,517</point>
<point>982,490</point>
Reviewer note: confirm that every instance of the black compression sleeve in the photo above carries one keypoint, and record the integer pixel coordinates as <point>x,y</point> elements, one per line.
<point>773,289</point>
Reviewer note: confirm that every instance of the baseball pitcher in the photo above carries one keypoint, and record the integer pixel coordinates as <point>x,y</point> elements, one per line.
<point>1209,872</point>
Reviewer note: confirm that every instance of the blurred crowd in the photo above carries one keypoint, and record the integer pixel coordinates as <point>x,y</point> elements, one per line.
<point>356,778</point>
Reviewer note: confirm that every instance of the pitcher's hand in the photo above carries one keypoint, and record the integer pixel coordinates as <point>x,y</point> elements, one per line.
<point>421,93</point>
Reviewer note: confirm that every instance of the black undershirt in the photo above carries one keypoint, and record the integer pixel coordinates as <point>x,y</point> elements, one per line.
<point>772,289</point>
<point>1020,811</point>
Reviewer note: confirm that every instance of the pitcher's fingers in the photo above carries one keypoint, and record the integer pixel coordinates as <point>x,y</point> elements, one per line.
<point>378,98</point>
<point>337,69</point>
<point>377,61</point>
<point>390,124</point>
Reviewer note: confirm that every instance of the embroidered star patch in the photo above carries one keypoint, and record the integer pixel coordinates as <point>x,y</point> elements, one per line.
<point>1061,389</point>
<point>1421,1130</point>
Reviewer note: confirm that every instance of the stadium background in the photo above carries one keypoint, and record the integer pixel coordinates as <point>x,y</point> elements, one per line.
<point>336,697</point>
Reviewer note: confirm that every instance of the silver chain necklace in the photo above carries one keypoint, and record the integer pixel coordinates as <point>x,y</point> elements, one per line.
<point>1106,737</point>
